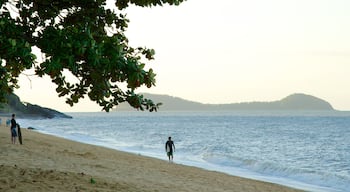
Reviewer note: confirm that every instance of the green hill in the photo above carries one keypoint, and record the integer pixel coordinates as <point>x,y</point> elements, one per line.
<point>292,102</point>
<point>27,110</point>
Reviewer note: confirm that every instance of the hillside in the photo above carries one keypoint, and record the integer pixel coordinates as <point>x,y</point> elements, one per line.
<point>27,110</point>
<point>292,102</point>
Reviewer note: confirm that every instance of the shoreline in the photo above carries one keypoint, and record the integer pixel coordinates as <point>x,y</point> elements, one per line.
<point>49,163</point>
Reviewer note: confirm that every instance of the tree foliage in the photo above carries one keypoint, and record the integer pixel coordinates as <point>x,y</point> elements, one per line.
<point>82,38</point>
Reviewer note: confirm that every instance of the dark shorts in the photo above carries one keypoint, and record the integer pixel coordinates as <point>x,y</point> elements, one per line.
<point>13,132</point>
<point>170,153</point>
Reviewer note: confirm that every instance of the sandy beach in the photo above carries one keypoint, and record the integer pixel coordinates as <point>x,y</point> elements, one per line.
<point>48,163</point>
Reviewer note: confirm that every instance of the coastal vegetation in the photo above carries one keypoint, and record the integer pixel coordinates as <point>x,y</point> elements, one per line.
<point>27,110</point>
<point>81,39</point>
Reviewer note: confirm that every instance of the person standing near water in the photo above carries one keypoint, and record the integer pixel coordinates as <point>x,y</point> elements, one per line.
<point>13,129</point>
<point>170,149</point>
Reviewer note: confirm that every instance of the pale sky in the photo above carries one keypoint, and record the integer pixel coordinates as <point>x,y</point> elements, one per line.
<point>228,51</point>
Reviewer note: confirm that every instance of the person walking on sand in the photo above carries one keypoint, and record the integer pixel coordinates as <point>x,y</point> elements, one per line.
<point>170,149</point>
<point>13,129</point>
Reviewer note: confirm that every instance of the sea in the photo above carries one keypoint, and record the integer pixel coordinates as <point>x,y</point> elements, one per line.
<point>303,150</point>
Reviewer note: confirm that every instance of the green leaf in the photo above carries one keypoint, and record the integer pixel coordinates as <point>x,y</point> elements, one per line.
<point>13,42</point>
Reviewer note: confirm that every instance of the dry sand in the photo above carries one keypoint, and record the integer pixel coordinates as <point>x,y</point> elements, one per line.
<point>48,163</point>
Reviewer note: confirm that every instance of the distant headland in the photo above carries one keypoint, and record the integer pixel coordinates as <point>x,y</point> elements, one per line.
<point>293,102</point>
<point>27,110</point>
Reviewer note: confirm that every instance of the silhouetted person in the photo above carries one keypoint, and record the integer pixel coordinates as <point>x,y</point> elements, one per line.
<point>170,149</point>
<point>13,129</point>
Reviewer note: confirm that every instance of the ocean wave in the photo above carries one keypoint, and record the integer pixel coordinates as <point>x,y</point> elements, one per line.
<point>273,171</point>
<point>308,152</point>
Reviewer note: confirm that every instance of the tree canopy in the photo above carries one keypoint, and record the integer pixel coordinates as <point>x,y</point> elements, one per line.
<point>80,38</point>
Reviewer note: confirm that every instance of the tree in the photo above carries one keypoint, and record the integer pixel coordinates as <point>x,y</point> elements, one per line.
<point>82,38</point>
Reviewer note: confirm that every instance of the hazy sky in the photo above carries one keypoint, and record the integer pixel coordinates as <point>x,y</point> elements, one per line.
<point>228,51</point>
